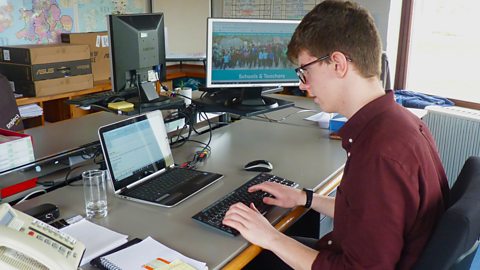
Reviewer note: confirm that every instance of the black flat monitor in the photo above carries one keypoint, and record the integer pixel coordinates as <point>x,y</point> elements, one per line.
<point>137,52</point>
<point>245,58</point>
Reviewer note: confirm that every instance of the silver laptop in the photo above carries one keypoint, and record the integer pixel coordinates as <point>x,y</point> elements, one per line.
<point>141,166</point>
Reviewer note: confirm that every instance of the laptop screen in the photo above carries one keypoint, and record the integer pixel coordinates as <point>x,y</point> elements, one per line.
<point>135,148</point>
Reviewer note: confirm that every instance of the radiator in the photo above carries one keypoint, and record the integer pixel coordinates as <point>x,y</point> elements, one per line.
<point>457,134</point>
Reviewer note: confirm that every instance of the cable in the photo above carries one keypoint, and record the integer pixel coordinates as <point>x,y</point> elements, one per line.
<point>67,181</point>
<point>181,140</point>
<point>30,194</point>
<point>139,94</point>
<point>285,117</point>
<point>205,152</point>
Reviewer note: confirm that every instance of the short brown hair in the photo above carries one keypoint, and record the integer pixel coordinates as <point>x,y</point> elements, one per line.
<point>339,26</point>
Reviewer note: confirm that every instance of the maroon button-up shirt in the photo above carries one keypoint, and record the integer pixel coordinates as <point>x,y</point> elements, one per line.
<point>394,190</point>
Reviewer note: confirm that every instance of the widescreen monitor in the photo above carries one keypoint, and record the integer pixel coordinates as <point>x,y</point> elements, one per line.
<point>137,51</point>
<point>248,56</point>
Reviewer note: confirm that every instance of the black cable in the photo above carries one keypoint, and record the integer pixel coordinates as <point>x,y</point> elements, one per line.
<point>181,140</point>
<point>203,154</point>
<point>199,142</point>
<point>139,94</point>
<point>67,181</point>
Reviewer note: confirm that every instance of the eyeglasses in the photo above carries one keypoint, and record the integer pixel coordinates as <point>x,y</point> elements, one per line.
<point>302,69</point>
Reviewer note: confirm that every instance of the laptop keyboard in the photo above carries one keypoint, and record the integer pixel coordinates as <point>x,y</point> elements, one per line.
<point>156,188</point>
<point>213,214</point>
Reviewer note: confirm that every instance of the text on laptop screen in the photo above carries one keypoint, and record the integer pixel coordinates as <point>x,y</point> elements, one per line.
<point>134,149</point>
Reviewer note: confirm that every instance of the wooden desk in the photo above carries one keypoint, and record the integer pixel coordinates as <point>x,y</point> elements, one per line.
<point>55,109</point>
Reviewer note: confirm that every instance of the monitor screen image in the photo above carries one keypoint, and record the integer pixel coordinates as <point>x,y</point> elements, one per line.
<point>249,53</point>
<point>137,49</point>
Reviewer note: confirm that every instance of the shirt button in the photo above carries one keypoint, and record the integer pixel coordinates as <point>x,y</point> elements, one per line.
<point>350,140</point>
<point>348,154</point>
<point>329,242</point>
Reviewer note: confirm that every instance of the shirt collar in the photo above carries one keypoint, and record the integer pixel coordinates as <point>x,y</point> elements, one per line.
<point>354,126</point>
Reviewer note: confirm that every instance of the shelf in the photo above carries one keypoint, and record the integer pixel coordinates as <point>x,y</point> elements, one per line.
<point>55,109</point>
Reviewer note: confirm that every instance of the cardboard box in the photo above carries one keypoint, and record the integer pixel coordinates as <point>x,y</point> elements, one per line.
<point>16,72</point>
<point>54,86</point>
<point>16,152</point>
<point>43,54</point>
<point>99,51</point>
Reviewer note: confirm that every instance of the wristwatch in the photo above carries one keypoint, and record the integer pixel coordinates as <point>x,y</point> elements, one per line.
<point>309,194</point>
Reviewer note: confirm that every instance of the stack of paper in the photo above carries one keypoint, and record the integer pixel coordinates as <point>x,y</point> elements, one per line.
<point>97,239</point>
<point>138,255</point>
<point>30,110</point>
<point>322,118</point>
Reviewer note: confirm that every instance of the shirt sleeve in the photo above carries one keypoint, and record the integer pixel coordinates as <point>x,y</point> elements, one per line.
<point>372,212</point>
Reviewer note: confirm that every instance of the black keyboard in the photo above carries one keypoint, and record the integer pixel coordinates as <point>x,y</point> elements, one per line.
<point>101,97</point>
<point>157,187</point>
<point>213,214</point>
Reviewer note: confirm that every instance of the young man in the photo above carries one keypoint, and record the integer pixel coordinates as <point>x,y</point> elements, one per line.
<point>394,187</point>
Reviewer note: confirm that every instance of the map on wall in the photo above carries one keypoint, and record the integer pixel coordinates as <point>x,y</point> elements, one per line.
<point>271,9</point>
<point>42,21</point>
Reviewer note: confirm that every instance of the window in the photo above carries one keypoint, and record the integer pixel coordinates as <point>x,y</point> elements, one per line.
<point>444,52</point>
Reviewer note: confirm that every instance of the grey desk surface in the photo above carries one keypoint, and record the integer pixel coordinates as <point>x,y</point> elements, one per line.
<point>53,141</point>
<point>304,107</point>
<point>68,135</point>
<point>304,155</point>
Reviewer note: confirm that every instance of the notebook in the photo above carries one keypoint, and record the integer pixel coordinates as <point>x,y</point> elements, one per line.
<point>141,166</point>
<point>143,254</point>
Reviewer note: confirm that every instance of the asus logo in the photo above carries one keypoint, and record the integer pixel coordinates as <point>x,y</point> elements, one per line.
<point>44,71</point>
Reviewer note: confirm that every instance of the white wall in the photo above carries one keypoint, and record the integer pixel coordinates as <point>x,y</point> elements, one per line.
<point>186,25</point>
<point>387,18</point>
<point>385,12</point>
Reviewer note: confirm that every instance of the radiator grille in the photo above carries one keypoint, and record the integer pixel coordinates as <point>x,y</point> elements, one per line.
<point>457,134</point>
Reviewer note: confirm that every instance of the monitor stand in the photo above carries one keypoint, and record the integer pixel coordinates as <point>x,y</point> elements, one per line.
<point>244,101</point>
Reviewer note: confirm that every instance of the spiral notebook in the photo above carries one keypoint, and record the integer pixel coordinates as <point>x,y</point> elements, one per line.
<point>138,255</point>
<point>97,262</point>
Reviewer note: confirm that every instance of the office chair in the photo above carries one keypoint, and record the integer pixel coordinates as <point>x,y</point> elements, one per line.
<point>385,75</point>
<point>453,244</point>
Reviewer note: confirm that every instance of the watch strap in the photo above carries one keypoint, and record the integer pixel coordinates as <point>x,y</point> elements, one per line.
<point>309,194</point>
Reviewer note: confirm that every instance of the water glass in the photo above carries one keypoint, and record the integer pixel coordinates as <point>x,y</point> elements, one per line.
<point>95,191</point>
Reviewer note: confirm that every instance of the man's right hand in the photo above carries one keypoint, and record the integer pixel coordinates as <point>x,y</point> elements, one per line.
<point>283,196</point>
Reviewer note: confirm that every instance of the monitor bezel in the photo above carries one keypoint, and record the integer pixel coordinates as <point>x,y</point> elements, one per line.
<point>210,22</point>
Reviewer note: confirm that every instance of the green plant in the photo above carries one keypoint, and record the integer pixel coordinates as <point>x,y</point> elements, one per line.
<point>182,84</point>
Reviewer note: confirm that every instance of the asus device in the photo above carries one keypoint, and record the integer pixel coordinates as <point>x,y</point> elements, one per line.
<point>140,163</point>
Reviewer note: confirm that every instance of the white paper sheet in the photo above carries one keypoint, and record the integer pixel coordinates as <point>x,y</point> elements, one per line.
<point>97,239</point>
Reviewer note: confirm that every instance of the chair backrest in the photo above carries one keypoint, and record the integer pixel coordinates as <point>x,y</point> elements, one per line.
<point>455,238</point>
